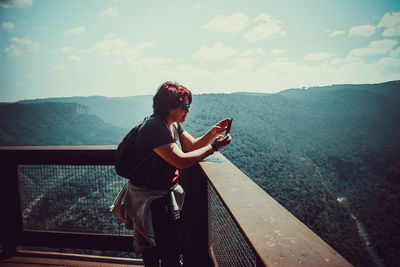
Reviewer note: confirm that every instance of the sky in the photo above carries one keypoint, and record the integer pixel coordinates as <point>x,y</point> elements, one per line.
<point>126,47</point>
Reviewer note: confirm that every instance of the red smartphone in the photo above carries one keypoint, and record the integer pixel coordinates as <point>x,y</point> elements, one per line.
<point>229,127</point>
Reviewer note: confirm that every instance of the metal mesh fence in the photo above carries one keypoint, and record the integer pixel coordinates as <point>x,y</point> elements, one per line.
<point>77,198</point>
<point>227,244</point>
<point>70,198</point>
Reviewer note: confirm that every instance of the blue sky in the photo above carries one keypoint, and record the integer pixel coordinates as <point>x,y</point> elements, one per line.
<point>127,47</point>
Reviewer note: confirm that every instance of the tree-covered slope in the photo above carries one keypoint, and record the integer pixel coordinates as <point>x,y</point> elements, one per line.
<point>308,147</point>
<point>54,124</point>
<point>120,111</point>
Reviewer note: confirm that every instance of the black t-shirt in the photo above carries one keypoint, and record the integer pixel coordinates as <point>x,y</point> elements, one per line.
<point>156,173</point>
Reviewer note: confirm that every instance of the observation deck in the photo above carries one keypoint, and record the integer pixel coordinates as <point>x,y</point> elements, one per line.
<point>55,211</point>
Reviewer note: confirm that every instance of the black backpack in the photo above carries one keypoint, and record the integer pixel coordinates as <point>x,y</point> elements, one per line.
<point>125,154</point>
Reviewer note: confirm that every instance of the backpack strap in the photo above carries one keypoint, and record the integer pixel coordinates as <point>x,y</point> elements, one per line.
<point>143,161</point>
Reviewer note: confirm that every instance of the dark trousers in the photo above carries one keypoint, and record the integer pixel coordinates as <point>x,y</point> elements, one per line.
<point>168,236</point>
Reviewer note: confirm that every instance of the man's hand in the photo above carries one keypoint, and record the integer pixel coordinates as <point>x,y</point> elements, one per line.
<point>221,141</point>
<point>220,127</point>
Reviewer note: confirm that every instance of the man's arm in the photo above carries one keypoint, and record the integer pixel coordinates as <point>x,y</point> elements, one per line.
<point>176,157</point>
<point>189,143</point>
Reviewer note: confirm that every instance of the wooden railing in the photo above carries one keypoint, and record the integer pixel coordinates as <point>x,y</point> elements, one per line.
<point>13,233</point>
<point>230,221</point>
<point>276,236</point>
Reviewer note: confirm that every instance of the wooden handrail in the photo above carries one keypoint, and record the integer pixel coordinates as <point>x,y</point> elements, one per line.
<point>68,155</point>
<point>278,237</point>
<point>58,148</point>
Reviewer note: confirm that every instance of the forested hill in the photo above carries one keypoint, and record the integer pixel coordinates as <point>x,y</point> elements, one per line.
<point>119,111</point>
<point>305,147</point>
<point>54,124</point>
<point>308,147</point>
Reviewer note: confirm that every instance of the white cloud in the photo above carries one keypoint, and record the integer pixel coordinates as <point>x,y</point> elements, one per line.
<point>250,52</point>
<point>277,52</point>
<point>336,33</point>
<point>75,58</point>
<point>144,45</point>
<point>110,12</point>
<point>109,47</point>
<point>12,51</point>
<point>218,52</point>
<point>279,75</point>
<point>268,28</point>
<point>123,52</point>
<point>112,46</point>
<point>16,3</point>
<point>63,79</point>
<point>271,77</point>
<point>391,23</point>
<point>110,35</point>
<point>350,59</point>
<point>389,62</point>
<point>285,69</point>
<point>76,31</point>
<point>319,56</point>
<point>151,63</point>
<point>362,30</point>
<point>66,49</point>
<point>8,26</point>
<point>190,69</point>
<point>374,48</point>
<point>58,67</point>
<point>186,74</point>
<point>396,53</point>
<point>244,64</point>
<point>231,24</point>
<point>282,59</point>
<point>20,47</point>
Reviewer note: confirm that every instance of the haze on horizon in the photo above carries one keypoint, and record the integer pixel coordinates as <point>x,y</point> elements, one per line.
<point>126,47</point>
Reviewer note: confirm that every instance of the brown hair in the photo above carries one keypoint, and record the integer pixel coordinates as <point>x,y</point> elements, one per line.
<point>169,96</point>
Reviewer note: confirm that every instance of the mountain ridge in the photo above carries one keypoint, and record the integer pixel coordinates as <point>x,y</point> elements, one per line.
<point>54,124</point>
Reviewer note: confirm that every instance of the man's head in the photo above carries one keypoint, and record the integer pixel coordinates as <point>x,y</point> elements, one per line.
<point>171,96</point>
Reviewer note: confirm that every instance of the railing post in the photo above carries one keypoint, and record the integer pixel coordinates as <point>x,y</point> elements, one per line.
<point>11,218</point>
<point>195,214</point>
